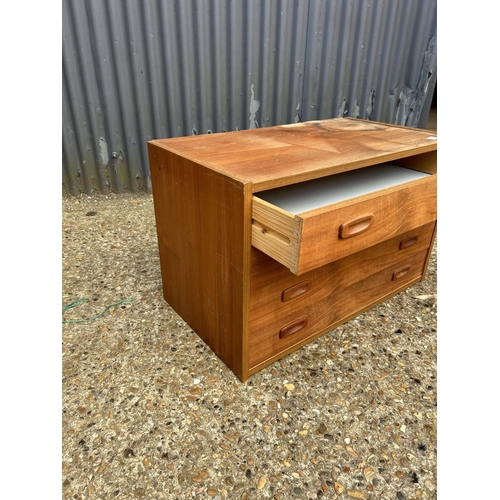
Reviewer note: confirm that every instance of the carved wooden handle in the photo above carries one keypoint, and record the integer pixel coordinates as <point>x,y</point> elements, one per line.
<point>355,226</point>
<point>296,290</point>
<point>293,327</point>
<point>399,273</point>
<point>408,242</point>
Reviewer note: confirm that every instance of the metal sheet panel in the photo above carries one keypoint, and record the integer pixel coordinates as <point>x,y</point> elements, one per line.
<point>134,70</point>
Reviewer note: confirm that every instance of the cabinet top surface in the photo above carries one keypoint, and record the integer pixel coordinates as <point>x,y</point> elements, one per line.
<point>274,156</point>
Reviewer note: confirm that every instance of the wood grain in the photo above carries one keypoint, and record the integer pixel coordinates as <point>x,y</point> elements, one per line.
<point>395,210</point>
<point>335,305</point>
<point>320,241</point>
<point>426,162</point>
<point>269,279</point>
<point>276,232</point>
<point>224,288</point>
<point>204,251</point>
<point>322,331</point>
<point>276,156</point>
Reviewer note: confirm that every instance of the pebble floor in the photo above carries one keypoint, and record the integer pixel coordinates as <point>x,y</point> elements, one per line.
<point>149,411</point>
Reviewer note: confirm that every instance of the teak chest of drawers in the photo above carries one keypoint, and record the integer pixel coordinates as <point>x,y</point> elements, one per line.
<point>271,237</point>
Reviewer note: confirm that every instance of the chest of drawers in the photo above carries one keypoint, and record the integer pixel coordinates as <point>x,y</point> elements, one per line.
<point>269,238</point>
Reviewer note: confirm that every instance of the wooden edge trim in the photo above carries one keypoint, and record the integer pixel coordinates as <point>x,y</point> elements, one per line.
<point>428,258</point>
<point>390,125</point>
<point>247,241</point>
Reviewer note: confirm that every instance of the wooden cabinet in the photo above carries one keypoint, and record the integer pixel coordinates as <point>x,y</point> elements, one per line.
<point>271,237</point>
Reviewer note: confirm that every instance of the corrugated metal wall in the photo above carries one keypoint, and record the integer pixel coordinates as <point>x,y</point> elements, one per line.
<point>134,70</point>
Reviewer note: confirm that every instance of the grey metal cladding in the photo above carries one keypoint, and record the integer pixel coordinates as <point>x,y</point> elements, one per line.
<point>134,70</point>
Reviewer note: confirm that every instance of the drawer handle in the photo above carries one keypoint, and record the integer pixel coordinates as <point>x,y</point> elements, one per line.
<point>296,291</point>
<point>292,328</point>
<point>408,242</point>
<point>399,273</point>
<point>355,226</point>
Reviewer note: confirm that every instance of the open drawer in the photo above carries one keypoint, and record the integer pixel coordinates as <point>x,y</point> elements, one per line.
<point>309,224</point>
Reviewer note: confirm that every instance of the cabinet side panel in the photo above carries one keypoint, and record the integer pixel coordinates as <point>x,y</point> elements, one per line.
<point>204,251</point>
<point>426,162</point>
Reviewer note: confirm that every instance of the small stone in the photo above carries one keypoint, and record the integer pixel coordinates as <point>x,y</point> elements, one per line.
<point>139,493</point>
<point>200,477</point>
<point>356,494</point>
<point>400,496</point>
<point>339,489</point>
<point>289,387</point>
<point>128,453</point>
<point>399,473</point>
<point>287,463</point>
<point>368,472</point>
<point>322,428</point>
<point>212,492</point>
<point>429,485</point>
<point>262,482</point>
<point>351,451</point>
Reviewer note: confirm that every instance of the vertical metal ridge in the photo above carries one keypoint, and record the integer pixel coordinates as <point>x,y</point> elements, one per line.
<point>135,71</point>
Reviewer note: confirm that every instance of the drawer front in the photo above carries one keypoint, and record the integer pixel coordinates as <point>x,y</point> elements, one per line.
<point>280,334</point>
<point>275,292</point>
<point>312,239</point>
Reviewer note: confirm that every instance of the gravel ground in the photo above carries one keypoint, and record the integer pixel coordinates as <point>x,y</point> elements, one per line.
<point>149,411</point>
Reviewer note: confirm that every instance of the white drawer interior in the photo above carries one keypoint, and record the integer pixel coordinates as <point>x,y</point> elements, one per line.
<point>309,195</point>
